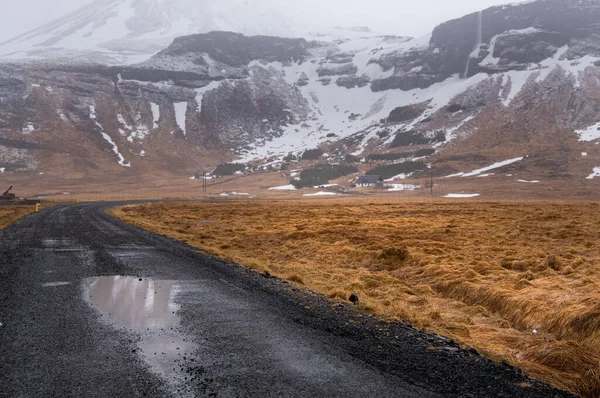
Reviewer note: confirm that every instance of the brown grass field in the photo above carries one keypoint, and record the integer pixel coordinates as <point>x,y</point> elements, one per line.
<point>518,281</point>
<point>10,214</point>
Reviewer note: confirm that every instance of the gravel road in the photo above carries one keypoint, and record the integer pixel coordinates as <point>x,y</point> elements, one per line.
<point>92,307</point>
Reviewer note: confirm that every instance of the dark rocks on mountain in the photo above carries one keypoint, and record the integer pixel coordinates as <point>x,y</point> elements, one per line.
<point>19,144</point>
<point>325,81</point>
<point>407,113</point>
<point>553,24</point>
<point>340,58</point>
<point>353,81</point>
<point>303,80</point>
<point>159,75</point>
<point>409,138</point>
<point>346,69</point>
<point>237,50</point>
<point>453,108</point>
<point>405,82</point>
<point>528,47</point>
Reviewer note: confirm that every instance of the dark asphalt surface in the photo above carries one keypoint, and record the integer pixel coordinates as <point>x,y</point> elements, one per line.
<point>91,307</point>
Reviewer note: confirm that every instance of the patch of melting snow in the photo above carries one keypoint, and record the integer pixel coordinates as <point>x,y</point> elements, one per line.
<point>402,187</point>
<point>584,154</point>
<point>56,284</point>
<point>115,148</point>
<point>589,134</point>
<point>235,193</point>
<point>155,114</point>
<point>595,174</point>
<point>283,188</point>
<point>326,186</point>
<point>62,116</point>
<point>146,307</point>
<point>29,128</point>
<point>488,168</point>
<point>180,115</point>
<point>462,195</point>
<point>321,193</point>
<point>529,182</point>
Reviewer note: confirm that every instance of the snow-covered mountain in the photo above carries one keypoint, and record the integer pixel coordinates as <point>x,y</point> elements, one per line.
<point>512,82</point>
<point>125,31</point>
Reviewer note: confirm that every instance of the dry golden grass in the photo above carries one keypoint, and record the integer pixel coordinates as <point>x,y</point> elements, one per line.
<point>516,280</point>
<point>10,214</point>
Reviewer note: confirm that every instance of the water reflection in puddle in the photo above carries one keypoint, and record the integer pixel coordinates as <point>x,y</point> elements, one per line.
<point>148,307</point>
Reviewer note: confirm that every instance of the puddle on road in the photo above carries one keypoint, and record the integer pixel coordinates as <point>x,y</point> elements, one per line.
<point>147,307</point>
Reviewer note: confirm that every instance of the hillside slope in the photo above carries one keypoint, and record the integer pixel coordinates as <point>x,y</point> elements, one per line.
<point>512,82</point>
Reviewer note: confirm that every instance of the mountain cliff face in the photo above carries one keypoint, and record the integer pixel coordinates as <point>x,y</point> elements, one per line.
<point>518,81</point>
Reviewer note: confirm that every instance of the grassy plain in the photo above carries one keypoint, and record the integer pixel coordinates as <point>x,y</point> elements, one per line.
<point>10,214</point>
<point>518,281</point>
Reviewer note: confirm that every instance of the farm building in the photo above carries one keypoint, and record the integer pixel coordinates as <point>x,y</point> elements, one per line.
<point>370,181</point>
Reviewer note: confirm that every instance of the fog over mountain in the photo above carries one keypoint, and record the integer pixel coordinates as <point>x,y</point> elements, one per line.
<point>387,16</point>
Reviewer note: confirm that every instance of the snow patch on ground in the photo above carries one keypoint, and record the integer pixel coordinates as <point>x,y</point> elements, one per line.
<point>401,187</point>
<point>589,134</point>
<point>121,120</point>
<point>321,193</point>
<point>462,195</point>
<point>283,188</point>
<point>529,182</point>
<point>234,194</point>
<point>29,128</point>
<point>488,168</point>
<point>595,174</point>
<point>61,115</point>
<point>399,177</point>
<point>326,186</point>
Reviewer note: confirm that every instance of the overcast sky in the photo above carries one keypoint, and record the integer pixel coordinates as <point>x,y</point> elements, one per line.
<point>402,17</point>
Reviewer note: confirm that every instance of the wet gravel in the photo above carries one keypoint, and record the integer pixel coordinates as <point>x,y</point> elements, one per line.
<point>245,334</point>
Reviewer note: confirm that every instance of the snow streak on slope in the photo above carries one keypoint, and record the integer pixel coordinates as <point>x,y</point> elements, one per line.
<point>488,168</point>
<point>107,138</point>
<point>155,114</point>
<point>180,114</point>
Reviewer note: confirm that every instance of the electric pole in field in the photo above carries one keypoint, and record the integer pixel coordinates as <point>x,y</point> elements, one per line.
<point>431,183</point>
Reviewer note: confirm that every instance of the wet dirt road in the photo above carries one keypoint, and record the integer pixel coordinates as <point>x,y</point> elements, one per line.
<point>91,307</point>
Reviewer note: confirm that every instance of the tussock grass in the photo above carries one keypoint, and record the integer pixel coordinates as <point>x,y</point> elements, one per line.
<point>515,280</point>
<point>10,214</point>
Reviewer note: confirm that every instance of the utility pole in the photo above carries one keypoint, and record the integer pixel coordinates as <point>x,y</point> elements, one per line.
<point>431,183</point>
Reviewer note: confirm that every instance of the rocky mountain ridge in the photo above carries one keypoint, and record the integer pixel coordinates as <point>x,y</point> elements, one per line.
<point>519,80</point>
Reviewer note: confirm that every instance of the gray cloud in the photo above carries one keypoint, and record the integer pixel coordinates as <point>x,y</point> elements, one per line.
<point>401,17</point>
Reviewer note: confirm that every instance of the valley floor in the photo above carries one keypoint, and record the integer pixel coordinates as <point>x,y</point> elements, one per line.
<point>515,280</point>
